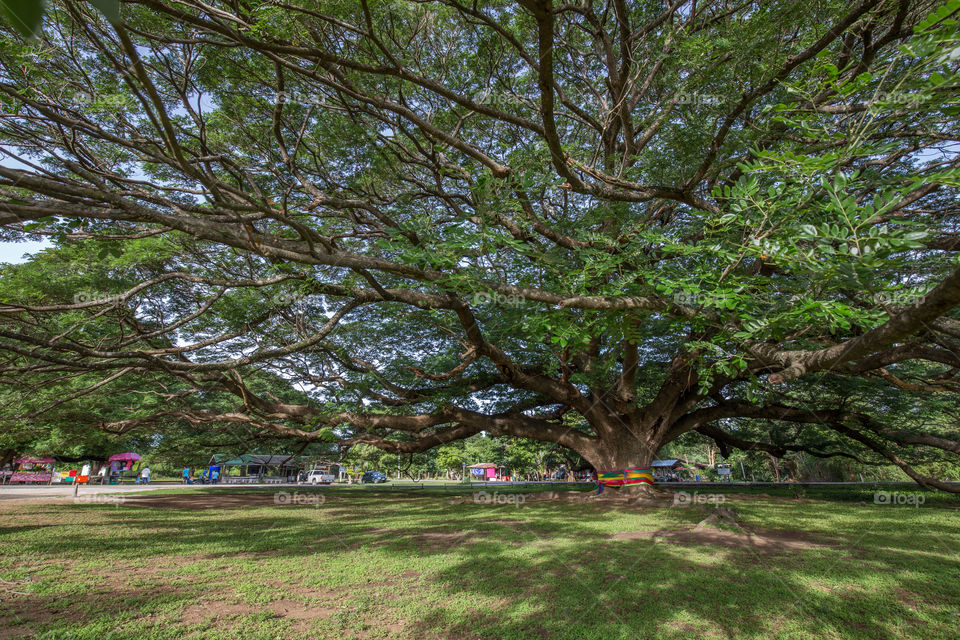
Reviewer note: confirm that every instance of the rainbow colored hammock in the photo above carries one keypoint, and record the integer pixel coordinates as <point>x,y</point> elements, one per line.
<point>637,475</point>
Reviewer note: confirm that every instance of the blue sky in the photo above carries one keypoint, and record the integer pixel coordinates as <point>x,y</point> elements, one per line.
<point>12,252</point>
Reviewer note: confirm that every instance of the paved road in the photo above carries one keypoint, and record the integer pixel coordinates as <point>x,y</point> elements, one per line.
<point>65,491</point>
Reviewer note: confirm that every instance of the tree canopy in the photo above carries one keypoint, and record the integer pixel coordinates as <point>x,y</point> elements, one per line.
<point>601,224</point>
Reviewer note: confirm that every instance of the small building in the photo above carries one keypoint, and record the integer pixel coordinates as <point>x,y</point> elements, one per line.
<point>256,468</point>
<point>667,469</point>
<point>484,471</point>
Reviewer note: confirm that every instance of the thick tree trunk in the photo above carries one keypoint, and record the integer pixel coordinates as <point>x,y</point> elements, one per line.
<point>625,453</point>
<point>619,447</point>
<point>774,466</point>
<point>619,455</point>
<point>6,457</point>
<point>621,450</point>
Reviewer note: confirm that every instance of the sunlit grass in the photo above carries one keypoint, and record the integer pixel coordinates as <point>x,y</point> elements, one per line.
<point>383,565</point>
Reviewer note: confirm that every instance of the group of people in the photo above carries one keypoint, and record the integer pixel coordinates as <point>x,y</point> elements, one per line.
<point>210,476</point>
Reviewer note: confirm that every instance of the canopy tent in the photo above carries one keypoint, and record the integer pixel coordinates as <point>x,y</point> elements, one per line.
<point>124,457</point>
<point>121,464</point>
<point>256,467</point>
<point>671,462</point>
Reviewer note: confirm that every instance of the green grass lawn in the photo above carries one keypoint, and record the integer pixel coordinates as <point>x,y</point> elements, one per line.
<point>386,565</point>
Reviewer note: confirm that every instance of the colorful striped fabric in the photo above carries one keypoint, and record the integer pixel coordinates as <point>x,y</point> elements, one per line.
<point>636,475</point>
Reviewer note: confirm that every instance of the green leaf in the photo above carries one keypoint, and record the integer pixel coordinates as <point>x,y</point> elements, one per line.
<point>24,15</point>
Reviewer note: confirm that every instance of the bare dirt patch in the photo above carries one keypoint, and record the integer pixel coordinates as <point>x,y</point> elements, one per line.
<point>908,599</point>
<point>633,496</point>
<point>21,615</point>
<point>18,618</point>
<point>196,501</point>
<point>21,610</point>
<point>295,611</point>
<point>765,541</point>
<point>441,540</point>
<point>306,594</point>
<point>643,496</point>
<point>766,497</point>
<point>761,541</point>
<point>197,613</point>
<point>379,530</point>
<point>683,627</point>
<point>122,575</point>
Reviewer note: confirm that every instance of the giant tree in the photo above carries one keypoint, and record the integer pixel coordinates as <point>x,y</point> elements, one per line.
<point>601,224</point>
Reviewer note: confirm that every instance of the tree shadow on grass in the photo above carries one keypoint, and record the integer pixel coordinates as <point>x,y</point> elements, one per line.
<point>547,570</point>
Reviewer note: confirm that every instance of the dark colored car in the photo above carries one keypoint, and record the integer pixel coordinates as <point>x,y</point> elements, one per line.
<point>373,476</point>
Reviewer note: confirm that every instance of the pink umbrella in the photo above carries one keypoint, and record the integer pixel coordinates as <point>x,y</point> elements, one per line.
<point>123,457</point>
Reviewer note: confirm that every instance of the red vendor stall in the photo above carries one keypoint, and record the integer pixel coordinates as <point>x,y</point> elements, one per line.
<point>32,470</point>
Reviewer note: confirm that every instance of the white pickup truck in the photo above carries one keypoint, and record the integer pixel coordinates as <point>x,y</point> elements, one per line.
<point>320,476</point>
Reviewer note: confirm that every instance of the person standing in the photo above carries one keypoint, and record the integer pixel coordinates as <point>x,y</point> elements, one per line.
<point>214,476</point>
<point>145,476</point>
<point>186,475</point>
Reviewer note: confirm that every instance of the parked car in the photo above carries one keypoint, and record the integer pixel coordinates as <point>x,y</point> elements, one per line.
<point>320,476</point>
<point>373,476</point>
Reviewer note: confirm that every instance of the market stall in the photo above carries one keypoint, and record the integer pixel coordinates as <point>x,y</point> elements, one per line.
<point>121,466</point>
<point>30,470</point>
